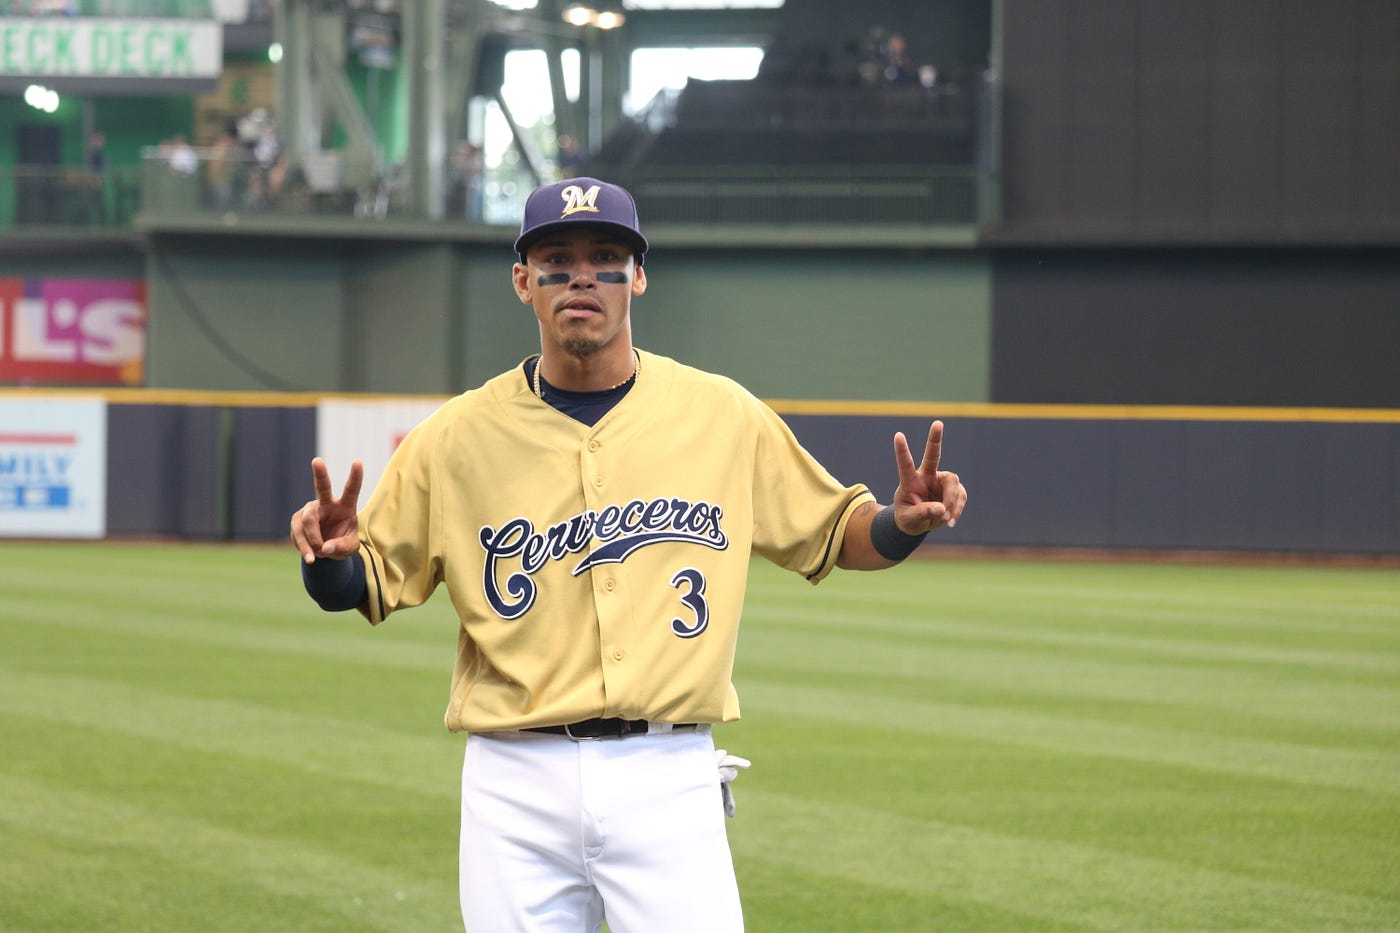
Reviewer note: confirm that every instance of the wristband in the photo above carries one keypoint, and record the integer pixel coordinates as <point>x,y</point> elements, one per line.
<point>336,585</point>
<point>889,540</point>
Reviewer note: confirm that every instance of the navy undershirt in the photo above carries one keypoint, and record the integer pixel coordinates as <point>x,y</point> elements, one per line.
<point>585,407</point>
<point>337,585</point>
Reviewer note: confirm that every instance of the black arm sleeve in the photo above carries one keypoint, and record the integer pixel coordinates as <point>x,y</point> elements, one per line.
<point>336,585</point>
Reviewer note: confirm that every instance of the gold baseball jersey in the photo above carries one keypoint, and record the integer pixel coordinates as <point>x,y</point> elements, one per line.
<point>597,571</point>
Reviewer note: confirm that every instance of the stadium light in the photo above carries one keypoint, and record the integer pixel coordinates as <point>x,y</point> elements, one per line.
<point>274,52</point>
<point>580,15</point>
<point>577,15</point>
<point>41,98</point>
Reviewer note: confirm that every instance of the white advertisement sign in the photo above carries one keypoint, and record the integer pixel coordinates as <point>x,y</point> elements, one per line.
<point>101,47</point>
<point>348,430</point>
<point>53,468</point>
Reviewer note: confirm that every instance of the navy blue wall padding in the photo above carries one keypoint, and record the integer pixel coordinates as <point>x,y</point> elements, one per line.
<point>163,470</point>
<point>1302,487</point>
<point>271,475</point>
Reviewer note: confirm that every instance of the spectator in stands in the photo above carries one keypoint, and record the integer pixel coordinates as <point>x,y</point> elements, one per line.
<point>258,133</point>
<point>468,167</point>
<point>225,157</point>
<point>97,152</point>
<point>898,68</point>
<point>95,187</point>
<point>871,70</point>
<point>183,160</point>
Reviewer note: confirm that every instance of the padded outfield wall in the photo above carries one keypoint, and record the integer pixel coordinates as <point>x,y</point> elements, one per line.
<point>1291,481</point>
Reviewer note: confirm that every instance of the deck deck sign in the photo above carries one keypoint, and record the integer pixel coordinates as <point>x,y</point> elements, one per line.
<point>99,47</point>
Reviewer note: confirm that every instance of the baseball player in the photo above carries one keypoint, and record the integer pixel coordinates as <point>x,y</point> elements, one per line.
<point>592,513</point>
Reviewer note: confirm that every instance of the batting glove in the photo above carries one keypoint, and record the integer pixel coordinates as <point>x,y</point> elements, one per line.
<point>729,768</point>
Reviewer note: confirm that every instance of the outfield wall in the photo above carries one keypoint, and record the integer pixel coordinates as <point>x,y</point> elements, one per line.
<point>234,466</point>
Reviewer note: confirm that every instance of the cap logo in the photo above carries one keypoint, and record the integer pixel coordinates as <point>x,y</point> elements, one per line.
<point>576,199</point>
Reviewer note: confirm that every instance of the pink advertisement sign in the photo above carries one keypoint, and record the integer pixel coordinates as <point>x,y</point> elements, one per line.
<point>72,331</point>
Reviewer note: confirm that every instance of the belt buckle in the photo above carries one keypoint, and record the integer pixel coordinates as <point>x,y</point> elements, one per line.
<point>625,729</point>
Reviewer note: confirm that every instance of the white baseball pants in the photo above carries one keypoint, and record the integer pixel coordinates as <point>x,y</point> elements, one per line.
<point>559,836</point>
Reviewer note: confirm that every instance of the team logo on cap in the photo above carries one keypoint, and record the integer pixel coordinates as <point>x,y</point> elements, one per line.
<point>576,199</point>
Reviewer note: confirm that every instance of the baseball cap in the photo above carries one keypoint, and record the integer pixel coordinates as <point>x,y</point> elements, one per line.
<point>581,202</point>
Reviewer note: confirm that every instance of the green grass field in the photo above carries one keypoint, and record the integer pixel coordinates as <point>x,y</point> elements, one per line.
<point>189,744</point>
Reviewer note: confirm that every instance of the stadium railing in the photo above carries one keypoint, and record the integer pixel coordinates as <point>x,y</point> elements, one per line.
<point>53,196</point>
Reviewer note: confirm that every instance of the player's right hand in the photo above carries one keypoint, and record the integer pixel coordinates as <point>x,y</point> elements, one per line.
<point>326,526</point>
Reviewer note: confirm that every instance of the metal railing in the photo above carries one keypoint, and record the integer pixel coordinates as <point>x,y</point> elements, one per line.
<point>39,197</point>
<point>796,195</point>
<point>35,198</point>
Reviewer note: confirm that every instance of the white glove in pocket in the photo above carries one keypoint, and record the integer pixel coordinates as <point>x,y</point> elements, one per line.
<point>729,767</point>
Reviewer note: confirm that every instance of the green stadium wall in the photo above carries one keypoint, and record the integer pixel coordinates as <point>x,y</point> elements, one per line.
<point>436,316</point>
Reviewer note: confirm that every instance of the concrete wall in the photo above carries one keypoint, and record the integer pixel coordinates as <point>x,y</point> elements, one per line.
<point>1305,327</point>
<point>1200,121</point>
<point>436,317</point>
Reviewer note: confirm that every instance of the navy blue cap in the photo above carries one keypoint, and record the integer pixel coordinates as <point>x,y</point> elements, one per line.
<point>581,202</point>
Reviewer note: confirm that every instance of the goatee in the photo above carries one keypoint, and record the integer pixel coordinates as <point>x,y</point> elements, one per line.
<point>580,348</point>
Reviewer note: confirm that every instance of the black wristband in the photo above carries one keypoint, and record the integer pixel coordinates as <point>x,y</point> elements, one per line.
<point>336,585</point>
<point>888,540</point>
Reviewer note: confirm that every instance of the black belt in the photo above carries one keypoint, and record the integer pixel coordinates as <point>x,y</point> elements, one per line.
<point>610,728</point>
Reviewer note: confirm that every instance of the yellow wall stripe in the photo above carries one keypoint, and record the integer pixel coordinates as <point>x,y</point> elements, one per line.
<point>1085,412</point>
<point>782,406</point>
<point>210,398</point>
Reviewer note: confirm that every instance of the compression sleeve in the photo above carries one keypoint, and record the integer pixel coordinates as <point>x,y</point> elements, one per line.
<point>336,585</point>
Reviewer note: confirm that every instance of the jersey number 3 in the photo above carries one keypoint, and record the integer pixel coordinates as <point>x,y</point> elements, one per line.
<point>692,582</point>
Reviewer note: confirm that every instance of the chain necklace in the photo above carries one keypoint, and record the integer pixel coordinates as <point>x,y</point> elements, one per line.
<point>636,368</point>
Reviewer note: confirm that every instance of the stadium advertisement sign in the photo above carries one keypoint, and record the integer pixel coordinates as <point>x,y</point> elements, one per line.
<point>365,430</point>
<point>103,47</point>
<point>53,468</point>
<point>72,331</point>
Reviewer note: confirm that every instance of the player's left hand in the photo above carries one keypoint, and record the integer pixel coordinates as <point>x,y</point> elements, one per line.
<point>927,497</point>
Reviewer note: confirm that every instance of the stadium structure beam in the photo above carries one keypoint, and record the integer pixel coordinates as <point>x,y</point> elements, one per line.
<point>425,58</point>
<point>312,81</point>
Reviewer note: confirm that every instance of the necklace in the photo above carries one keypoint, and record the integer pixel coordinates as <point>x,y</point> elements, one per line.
<point>636,368</point>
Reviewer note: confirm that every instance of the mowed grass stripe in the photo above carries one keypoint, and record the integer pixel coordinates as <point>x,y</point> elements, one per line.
<point>1310,599</point>
<point>337,747</point>
<point>1160,615</point>
<point>1069,622</point>
<point>860,846</point>
<point>138,841</point>
<point>258,587</point>
<point>239,792</point>
<point>339,637</point>
<point>1338,839</point>
<point>1279,761</point>
<point>872,623</point>
<point>938,668</point>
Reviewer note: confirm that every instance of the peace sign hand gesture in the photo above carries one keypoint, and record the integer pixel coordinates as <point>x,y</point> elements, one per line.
<point>326,526</point>
<point>927,497</point>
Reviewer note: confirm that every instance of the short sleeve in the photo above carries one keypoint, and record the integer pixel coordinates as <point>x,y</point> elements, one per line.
<point>800,509</point>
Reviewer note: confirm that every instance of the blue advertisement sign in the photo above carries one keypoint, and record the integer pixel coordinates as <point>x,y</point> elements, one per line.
<point>53,468</point>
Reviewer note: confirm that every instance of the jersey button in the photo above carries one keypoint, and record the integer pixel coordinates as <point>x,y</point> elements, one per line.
<point>619,654</point>
<point>609,584</point>
<point>598,481</point>
<point>594,445</point>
